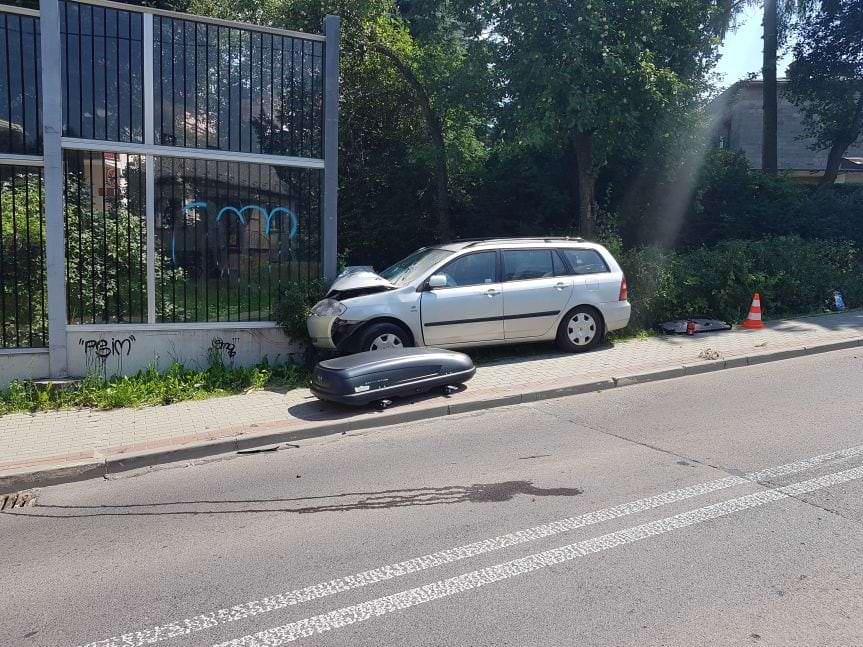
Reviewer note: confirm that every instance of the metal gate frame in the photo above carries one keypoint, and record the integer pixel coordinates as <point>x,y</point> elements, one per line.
<point>54,144</point>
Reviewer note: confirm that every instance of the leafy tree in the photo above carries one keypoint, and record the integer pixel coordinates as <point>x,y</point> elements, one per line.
<point>826,79</point>
<point>595,78</point>
<point>415,100</point>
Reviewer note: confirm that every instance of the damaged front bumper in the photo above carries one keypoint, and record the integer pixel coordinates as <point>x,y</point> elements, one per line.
<point>332,333</point>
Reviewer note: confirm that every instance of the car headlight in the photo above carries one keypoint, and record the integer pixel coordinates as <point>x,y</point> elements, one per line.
<point>328,308</point>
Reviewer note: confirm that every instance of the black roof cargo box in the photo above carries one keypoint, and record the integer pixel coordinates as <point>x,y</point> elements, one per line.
<point>380,375</point>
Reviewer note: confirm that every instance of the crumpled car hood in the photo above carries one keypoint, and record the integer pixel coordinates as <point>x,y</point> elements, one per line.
<point>357,280</point>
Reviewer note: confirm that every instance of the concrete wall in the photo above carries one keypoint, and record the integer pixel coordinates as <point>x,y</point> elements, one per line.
<point>22,365</point>
<point>125,350</point>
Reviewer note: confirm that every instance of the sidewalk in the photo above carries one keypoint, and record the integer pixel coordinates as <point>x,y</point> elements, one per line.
<point>67,445</point>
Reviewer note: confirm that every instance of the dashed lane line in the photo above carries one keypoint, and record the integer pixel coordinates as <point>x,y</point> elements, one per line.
<point>205,621</point>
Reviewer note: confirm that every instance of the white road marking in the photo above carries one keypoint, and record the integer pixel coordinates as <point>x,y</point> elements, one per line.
<point>172,630</point>
<point>483,577</point>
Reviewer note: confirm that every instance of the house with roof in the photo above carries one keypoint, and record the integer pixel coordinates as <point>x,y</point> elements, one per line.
<point>737,118</point>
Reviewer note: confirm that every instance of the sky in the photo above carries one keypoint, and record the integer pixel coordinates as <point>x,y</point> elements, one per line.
<point>741,50</point>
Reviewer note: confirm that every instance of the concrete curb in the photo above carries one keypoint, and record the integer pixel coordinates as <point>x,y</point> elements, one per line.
<point>12,481</point>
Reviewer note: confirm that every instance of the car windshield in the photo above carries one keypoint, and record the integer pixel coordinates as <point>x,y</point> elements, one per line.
<point>415,265</point>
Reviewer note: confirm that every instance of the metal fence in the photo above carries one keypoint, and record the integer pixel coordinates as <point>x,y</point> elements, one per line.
<point>230,236</point>
<point>190,158</point>
<point>237,89</point>
<point>20,118</point>
<point>103,72</point>
<point>23,320</point>
<point>106,279</point>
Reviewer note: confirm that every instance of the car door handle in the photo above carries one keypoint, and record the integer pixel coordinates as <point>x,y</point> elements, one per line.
<point>560,285</point>
<point>491,292</point>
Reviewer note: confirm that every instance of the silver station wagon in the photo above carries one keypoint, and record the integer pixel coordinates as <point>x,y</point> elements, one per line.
<point>478,292</point>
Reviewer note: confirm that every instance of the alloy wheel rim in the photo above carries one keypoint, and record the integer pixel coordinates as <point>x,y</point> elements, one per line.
<point>581,329</point>
<point>386,342</point>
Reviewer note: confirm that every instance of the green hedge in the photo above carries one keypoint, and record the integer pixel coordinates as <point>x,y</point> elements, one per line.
<point>793,276</point>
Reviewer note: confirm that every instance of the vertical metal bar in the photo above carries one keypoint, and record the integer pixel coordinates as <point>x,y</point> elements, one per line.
<point>93,75</point>
<point>105,61</point>
<point>293,127</point>
<point>25,133</point>
<point>3,258</point>
<point>195,82</point>
<point>185,75</point>
<point>28,174</point>
<point>8,82</point>
<point>37,84</point>
<point>106,271</point>
<point>43,315</point>
<point>52,129</point>
<point>303,98</point>
<point>330,224</point>
<point>17,280</point>
<point>91,207</point>
<point>80,43</point>
<point>149,169</point>
<point>78,157</point>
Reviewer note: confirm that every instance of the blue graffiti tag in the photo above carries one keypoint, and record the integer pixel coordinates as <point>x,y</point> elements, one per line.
<point>295,225</point>
<point>267,217</point>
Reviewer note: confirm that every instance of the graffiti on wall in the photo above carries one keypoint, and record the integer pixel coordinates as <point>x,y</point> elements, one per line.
<point>229,347</point>
<point>275,215</point>
<point>97,352</point>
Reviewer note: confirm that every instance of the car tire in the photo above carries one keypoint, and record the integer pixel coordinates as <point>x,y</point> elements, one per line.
<point>384,336</point>
<point>581,330</point>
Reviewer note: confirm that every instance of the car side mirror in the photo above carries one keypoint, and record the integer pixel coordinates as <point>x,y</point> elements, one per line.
<point>437,281</point>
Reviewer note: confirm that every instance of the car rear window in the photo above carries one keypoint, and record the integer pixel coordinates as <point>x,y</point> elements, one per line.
<point>585,261</point>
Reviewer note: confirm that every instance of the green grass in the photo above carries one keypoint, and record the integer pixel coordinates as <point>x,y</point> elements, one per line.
<point>150,387</point>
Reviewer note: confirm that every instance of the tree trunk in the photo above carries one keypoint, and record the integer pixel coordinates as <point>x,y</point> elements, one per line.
<point>769,145</point>
<point>434,124</point>
<point>840,147</point>
<point>586,182</point>
<point>834,161</point>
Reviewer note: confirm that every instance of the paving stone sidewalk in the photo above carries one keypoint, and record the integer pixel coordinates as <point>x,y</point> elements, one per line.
<point>33,441</point>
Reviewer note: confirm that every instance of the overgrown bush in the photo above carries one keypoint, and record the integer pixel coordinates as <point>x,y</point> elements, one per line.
<point>793,276</point>
<point>295,304</point>
<point>733,201</point>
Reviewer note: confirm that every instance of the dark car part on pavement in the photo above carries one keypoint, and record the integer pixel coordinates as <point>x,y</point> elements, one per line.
<point>693,325</point>
<point>381,375</point>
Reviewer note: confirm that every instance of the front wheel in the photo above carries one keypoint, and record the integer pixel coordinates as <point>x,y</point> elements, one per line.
<point>582,329</point>
<point>384,336</point>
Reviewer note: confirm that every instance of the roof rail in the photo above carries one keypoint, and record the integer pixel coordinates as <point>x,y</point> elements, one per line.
<point>545,239</point>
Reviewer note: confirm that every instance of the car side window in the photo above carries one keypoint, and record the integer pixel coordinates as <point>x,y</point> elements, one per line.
<point>585,261</point>
<point>525,264</point>
<point>472,269</point>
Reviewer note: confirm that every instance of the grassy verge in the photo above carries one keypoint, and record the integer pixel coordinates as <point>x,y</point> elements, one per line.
<point>150,387</point>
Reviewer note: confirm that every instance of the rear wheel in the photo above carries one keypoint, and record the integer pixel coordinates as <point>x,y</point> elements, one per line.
<point>582,329</point>
<point>384,336</point>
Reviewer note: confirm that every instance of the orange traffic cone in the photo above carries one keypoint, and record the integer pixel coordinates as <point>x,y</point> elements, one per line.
<point>753,321</point>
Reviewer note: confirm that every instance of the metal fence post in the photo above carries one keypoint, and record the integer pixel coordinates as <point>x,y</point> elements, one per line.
<point>330,224</point>
<point>149,170</point>
<point>55,238</point>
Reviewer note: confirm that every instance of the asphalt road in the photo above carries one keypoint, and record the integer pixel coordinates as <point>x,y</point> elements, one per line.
<point>721,509</point>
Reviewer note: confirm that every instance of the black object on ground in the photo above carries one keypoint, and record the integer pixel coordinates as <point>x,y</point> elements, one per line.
<point>382,375</point>
<point>693,325</point>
